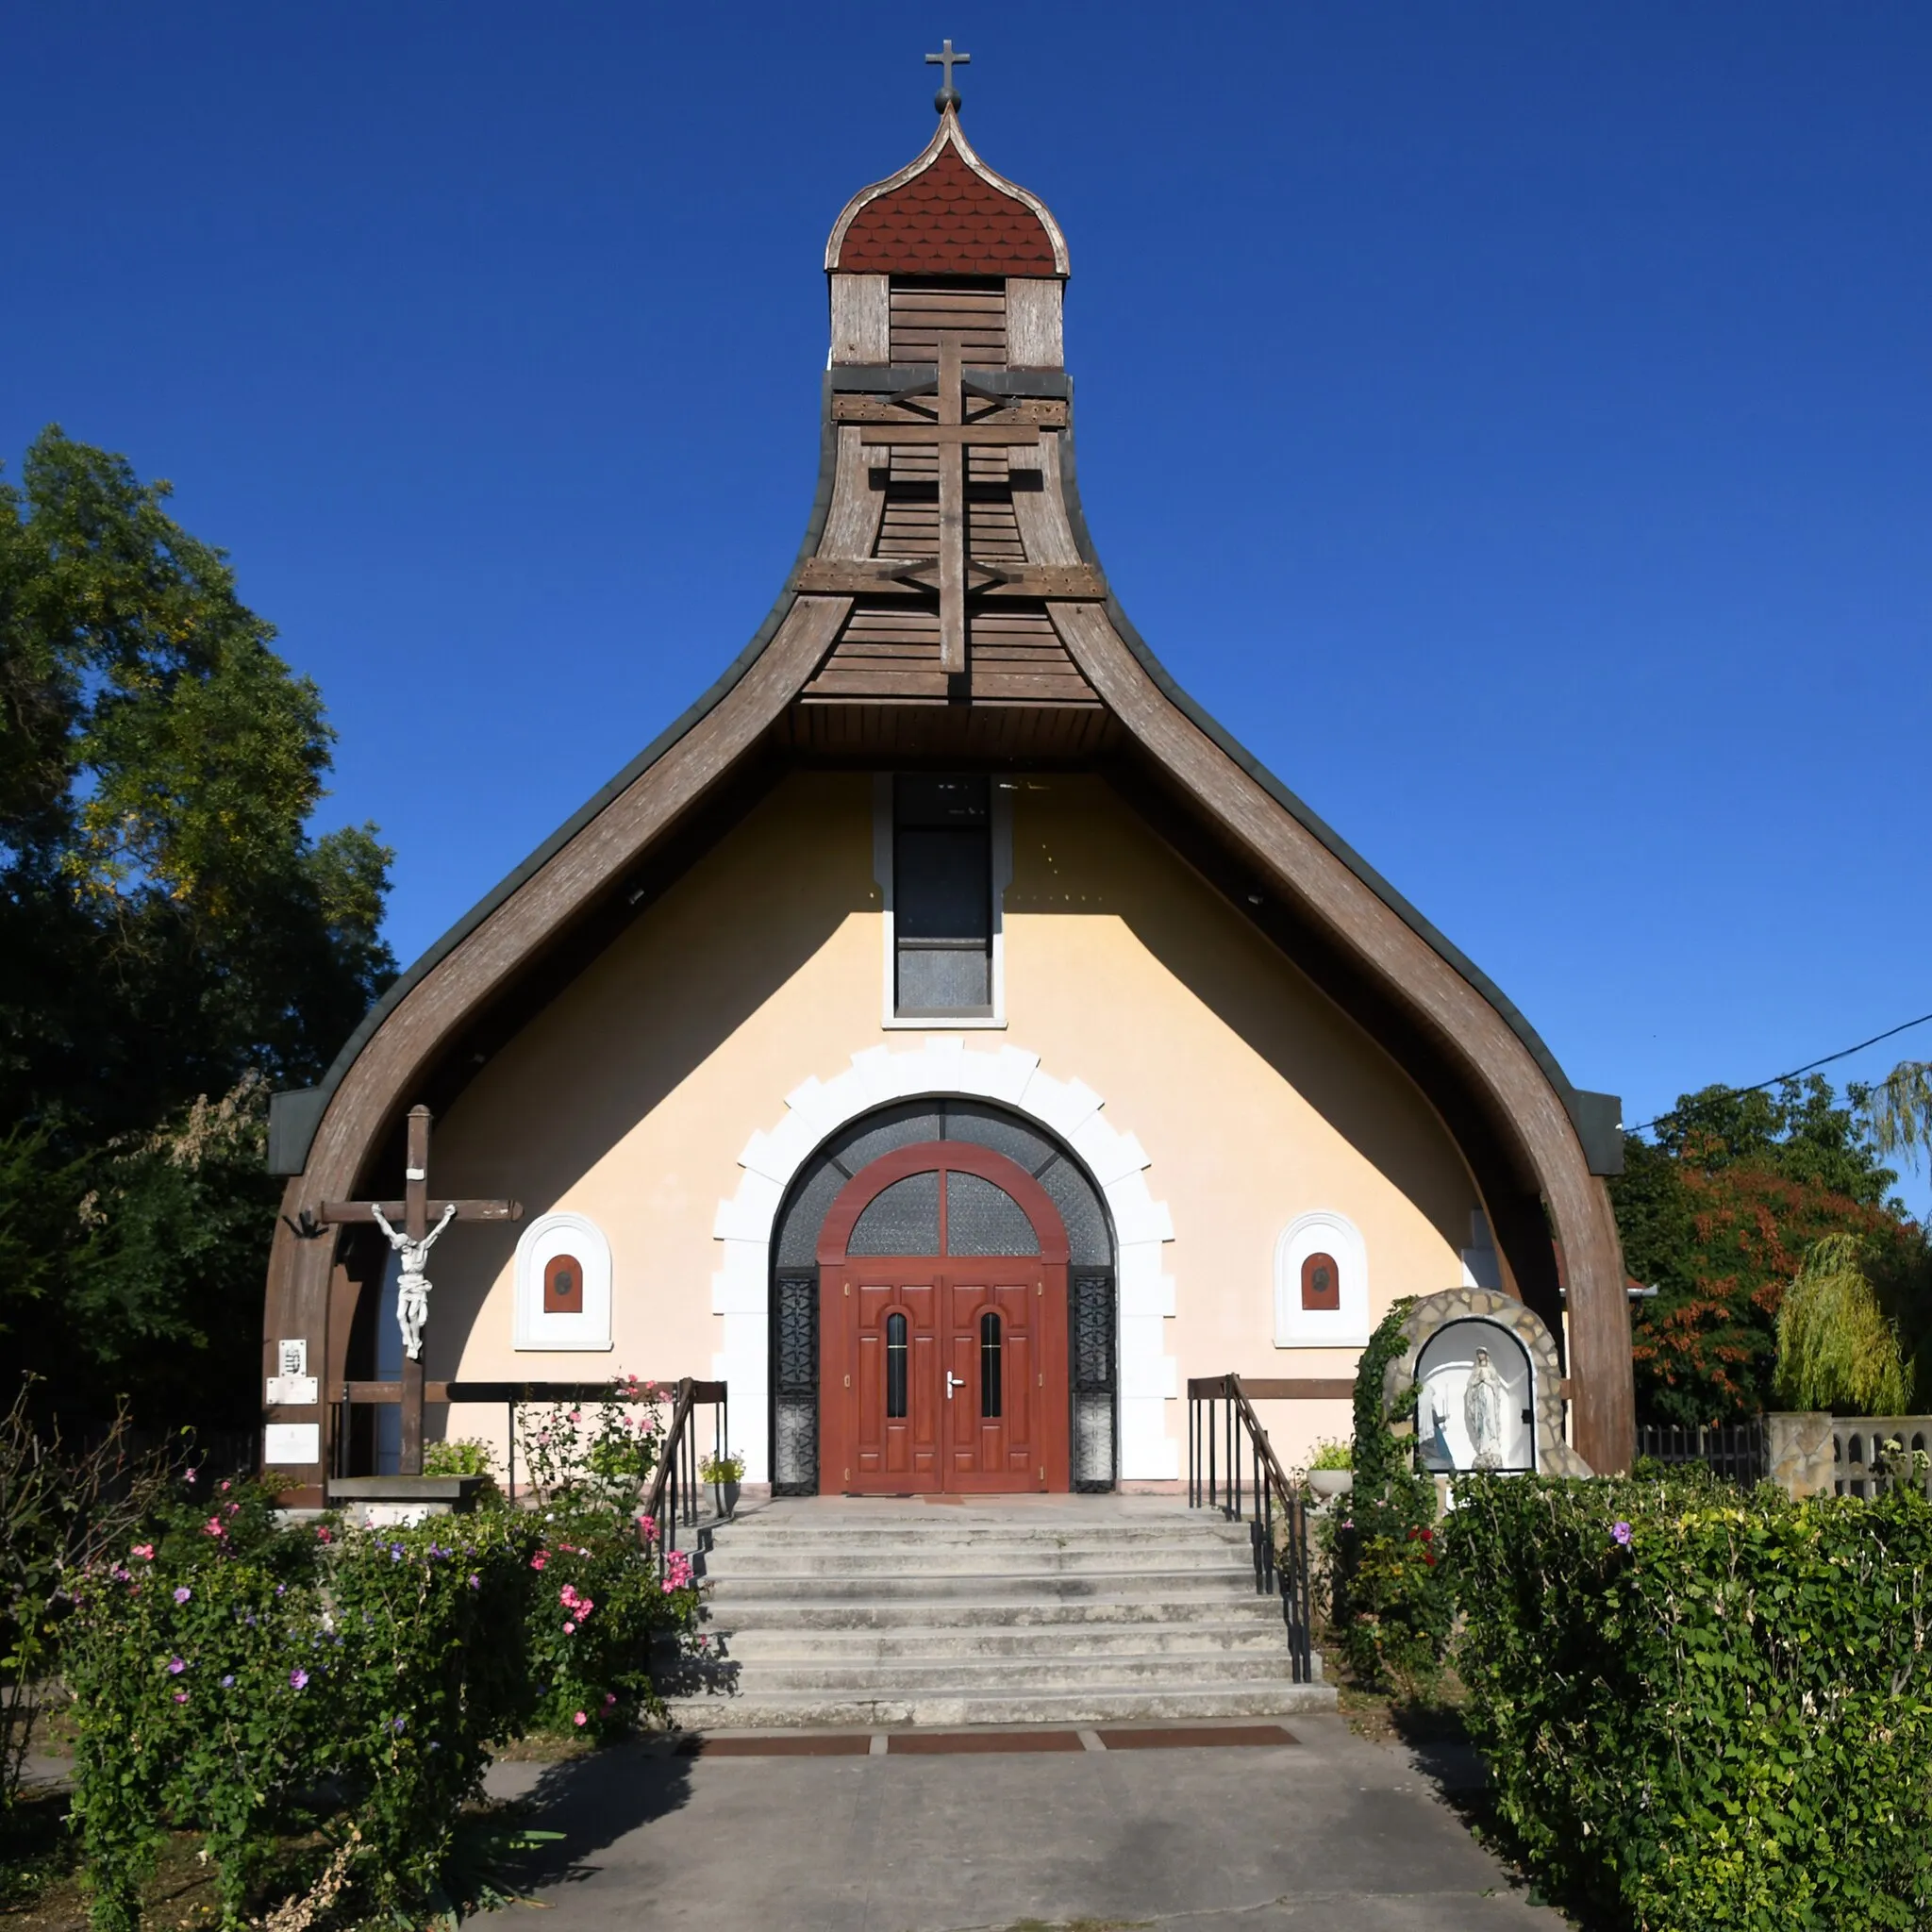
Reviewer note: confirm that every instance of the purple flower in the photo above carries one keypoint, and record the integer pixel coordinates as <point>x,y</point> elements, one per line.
<point>281,1590</point>
<point>397,1725</point>
<point>182,1594</point>
<point>298,1680</point>
<point>1620,1531</point>
<point>176,1666</point>
<point>395,1553</point>
<point>228,1682</point>
<point>476,1582</point>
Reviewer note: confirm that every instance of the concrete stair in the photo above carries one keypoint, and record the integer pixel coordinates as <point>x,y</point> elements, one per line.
<point>1068,1609</point>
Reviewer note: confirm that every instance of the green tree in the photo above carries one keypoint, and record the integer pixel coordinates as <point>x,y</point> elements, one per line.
<point>1719,1211</point>
<point>1836,1349</point>
<point>171,932</point>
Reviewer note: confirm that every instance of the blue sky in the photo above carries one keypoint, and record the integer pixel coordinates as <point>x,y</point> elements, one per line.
<point>1512,421</point>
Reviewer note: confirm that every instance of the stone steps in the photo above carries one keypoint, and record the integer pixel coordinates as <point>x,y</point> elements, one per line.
<point>1087,1611</point>
<point>1137,1638</point>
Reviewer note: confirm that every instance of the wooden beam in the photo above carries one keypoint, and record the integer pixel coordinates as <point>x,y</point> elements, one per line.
<point>895,577</point>
<point>337,1213</point>
<point>1045,413</point>
<point>908,433</point>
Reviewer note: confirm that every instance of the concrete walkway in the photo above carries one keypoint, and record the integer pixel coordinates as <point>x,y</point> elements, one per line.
<point>1326,1834</point>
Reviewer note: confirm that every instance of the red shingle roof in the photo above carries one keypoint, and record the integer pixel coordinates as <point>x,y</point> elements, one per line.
<point>947,221</point>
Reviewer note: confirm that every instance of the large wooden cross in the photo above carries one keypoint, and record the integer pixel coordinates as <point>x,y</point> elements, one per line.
<point>949,416</point>
<point>411,1217</point>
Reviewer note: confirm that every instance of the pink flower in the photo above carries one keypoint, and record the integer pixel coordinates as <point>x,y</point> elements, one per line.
<point>145,1551</point>
<point>609,1698</point>
<point>574,1416</point>
<point>570,1629</point>
<point>182,1594</point>
<point>647,1526</point>
<point>298,1680</point>
<point>213,1528</point>
<point>324,1534</point>
<point>180,1697</point>
<point>227,1486</point>
<point>580,1718</point>
<point>176,1665</point>
<point>188,1475</point>
<point>538,1561</point>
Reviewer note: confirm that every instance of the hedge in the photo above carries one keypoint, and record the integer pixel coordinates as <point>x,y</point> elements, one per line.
<point>1703,1708</point>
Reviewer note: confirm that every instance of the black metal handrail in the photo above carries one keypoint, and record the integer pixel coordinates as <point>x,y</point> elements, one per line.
<point>673,1497</point>
<point>1216,1480</point>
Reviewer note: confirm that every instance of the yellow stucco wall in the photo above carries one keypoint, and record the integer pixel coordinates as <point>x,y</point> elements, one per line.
<point>630,1099</point>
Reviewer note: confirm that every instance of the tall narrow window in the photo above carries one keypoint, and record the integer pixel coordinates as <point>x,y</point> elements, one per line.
<point>895,1367</point>
<point>941,895</point>
<point>992,1383</point>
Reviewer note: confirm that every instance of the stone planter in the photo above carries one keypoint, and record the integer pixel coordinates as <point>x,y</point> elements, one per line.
<point>725,1496</point>
<point>1324,1485</point>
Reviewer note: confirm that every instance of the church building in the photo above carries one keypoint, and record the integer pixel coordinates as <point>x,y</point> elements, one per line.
<point>946,1034</point>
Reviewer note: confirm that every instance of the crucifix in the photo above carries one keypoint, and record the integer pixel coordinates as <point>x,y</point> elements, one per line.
<point>948,95</point>
<point>949,435</point>
<point>412,1242</point>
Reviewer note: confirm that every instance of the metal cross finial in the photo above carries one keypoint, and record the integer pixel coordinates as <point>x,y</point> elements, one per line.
<point>948,95</point>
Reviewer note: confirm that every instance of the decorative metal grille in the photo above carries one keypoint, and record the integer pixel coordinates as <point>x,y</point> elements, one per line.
<point>796,1386</point>
<point>1090,1316</point>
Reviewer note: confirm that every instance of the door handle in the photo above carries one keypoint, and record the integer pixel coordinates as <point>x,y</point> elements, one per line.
<point>953,1382</point>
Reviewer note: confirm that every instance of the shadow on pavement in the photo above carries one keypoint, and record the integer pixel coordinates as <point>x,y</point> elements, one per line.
<point>594,1801</point>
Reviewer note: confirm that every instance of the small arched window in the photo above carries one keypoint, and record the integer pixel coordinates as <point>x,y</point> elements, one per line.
<point>563,1286</point>
<point>895,1367</point>
<point>1321,1283</point>
<point>992,1383</point>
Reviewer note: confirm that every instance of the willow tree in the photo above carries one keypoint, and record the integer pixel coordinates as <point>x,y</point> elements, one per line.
<point>1898,1111</point>
<point>1836,1348</point>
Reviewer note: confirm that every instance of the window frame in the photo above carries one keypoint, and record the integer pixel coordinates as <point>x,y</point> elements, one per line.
<point>978,1019</point>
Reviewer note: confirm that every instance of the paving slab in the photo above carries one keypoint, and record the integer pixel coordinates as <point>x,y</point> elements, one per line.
<point>1326,1832</point>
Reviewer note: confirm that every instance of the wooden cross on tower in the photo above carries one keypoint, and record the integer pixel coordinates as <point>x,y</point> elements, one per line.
<point>406,1223</point>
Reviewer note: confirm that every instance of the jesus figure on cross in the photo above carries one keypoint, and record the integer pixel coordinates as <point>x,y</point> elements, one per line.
<point>412,1290</point>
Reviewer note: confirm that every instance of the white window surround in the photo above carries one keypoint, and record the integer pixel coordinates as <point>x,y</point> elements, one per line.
<point>944,1065</point>
<point>1321,1232</point>
<point>549,1234</point>
<point>1002,817</point>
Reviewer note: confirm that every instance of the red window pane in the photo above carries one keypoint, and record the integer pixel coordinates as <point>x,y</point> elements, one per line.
<point>563,1286</point>
<point>1321,1283</point>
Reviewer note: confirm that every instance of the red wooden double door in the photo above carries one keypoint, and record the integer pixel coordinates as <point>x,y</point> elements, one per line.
<point>943,1284</point>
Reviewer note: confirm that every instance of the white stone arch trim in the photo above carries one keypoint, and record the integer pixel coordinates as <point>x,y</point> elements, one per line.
<point>562,1232</point>
<point>943,1065</point>
<point>1323,1230</point>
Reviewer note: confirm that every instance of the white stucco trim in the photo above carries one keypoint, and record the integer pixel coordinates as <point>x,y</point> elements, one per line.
<point>890,1018</point>
<point>944,1065</point>
<point>1323,1231</point>
<point>562,1233</point>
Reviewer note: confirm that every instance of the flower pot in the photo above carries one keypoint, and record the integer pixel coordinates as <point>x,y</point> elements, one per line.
<point>725,1496</point>
<point>1327,1484</point>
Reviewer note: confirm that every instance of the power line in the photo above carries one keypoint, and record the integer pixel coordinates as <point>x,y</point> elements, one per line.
<point>1843,1054</point>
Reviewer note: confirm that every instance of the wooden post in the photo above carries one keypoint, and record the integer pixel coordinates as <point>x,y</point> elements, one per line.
<point>953,465</point>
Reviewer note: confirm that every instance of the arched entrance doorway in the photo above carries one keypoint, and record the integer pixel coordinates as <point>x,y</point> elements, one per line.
<point>943,1327</point>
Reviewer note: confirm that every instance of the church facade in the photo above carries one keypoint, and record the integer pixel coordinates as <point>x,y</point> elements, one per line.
<point>946,1034</point>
